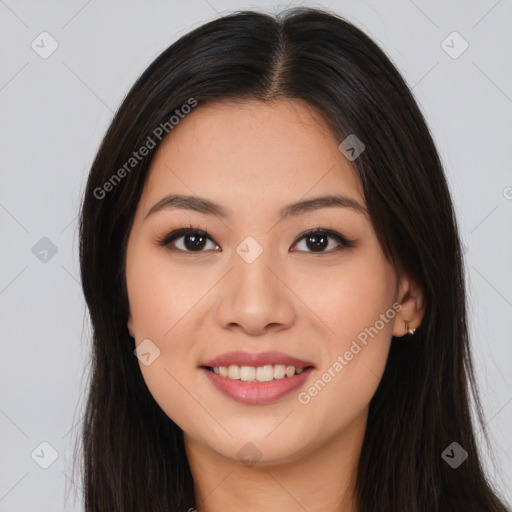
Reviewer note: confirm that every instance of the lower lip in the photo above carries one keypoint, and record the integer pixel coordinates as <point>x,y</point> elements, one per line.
<point>257,393</point>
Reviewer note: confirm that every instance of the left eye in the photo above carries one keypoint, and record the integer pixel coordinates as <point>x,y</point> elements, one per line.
<point>318,239</point>
<point>195,240</point>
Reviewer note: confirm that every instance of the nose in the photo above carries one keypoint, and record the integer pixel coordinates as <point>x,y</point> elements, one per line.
<point>255,298</point>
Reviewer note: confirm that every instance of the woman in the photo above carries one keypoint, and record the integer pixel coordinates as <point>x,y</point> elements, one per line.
<point>273,271</point>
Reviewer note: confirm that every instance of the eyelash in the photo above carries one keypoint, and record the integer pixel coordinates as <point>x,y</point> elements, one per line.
<point>167,240</point>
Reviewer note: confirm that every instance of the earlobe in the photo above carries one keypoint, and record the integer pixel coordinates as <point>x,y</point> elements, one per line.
<point>411,298</point>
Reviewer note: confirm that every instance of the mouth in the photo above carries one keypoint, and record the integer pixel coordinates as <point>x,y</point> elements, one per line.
<point>257,385</point>
<point>256,378</point>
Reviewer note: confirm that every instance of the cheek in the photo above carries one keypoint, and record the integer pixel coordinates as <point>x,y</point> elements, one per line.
<point>159,295</point>
<point>356,341</point>
<point>350,297</point>
<point>160,302</point>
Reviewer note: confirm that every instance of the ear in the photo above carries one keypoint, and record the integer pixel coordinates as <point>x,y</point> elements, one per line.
<point>129,324</point>
<point>411,298</point>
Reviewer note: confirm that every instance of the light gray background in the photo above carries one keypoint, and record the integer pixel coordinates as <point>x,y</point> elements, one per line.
<point>54,112</point>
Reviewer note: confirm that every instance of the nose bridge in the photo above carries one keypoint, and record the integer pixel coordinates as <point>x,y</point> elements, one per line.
<point>254,297</point>
<point>251,271</point>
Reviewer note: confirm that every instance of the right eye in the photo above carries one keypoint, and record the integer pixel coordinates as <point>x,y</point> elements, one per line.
<point>186,240</point>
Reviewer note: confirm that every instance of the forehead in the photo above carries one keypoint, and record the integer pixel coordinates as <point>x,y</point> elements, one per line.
<point>250,153</point>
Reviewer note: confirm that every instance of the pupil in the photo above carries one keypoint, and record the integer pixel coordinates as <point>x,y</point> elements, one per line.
<point>197,241</point>
<point>321,244</point>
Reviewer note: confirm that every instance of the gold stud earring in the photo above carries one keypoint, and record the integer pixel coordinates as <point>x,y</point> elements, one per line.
<point>411,331</point>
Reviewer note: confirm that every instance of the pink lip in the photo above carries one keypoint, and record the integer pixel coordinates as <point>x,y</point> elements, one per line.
<point>257,393</point>
<point>242,358</point>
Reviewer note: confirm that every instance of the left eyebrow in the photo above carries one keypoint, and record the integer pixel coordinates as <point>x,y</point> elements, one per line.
<point>331,201</point>
<point>208,207</point>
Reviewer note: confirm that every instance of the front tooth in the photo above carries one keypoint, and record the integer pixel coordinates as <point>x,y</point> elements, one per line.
<point>265,373</point>
<point>234,372</point>
<point>279,371</point>
<point>257,374</point>
<point>247,373</point>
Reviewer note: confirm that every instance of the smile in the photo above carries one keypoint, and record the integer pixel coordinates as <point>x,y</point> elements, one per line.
<point>245,387</point>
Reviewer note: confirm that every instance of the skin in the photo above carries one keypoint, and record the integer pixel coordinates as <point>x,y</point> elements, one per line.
<point>254,158</point>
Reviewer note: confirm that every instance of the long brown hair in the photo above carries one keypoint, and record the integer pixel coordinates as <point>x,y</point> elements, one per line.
<point>422,404</point>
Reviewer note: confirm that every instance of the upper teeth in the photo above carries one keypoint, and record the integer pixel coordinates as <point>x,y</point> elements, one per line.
<point>259,374</point>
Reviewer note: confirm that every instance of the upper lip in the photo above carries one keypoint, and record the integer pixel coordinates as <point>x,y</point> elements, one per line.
<point>242,358</point>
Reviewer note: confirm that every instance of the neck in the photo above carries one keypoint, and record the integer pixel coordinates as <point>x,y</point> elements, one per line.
<point>321,479</point>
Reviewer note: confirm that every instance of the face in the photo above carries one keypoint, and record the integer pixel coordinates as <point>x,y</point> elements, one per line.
<point>312,284</point>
